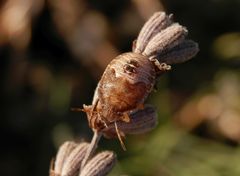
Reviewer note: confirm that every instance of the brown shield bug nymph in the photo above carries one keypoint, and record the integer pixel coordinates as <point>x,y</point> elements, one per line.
<point>124,86</point>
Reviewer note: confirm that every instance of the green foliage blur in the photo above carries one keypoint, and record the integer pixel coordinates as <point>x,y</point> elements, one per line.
<point>53,52</point>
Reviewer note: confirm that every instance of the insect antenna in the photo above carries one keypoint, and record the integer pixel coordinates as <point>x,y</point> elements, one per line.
<point>77,110</point>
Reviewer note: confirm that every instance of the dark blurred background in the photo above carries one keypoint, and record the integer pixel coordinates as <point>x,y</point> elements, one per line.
<point>53,52</point>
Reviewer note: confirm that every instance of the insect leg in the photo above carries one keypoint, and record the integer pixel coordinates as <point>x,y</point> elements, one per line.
<point>161,66</point>
<point>119,136</point>
<point>103,121</point>
<point>92,119</point>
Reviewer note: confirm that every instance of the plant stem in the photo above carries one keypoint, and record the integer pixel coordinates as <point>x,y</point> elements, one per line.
<point>92,147</point>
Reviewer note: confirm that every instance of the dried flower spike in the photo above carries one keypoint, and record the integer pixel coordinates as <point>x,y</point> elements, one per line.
<point>63,152</point>
<point>100,165</point>
<point>180,53</point>
<point>70,157</point>
<point>154,25</point>
<point>141,121</point>
<point>73,162</point>
<point>166,39</point>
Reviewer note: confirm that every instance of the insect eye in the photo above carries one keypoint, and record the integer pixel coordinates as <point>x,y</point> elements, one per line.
<point>129,69</point>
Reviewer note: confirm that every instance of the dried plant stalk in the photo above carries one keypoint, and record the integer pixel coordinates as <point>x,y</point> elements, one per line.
<point>92,147</point>
<point>73,162</point>
<point>180,53</point>
<point>100,165</point>
<point>166,39</point>
<point>63,152</point>
<point>154,25</point>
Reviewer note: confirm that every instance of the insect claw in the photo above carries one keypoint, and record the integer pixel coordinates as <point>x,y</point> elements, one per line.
<point>125,117</point>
